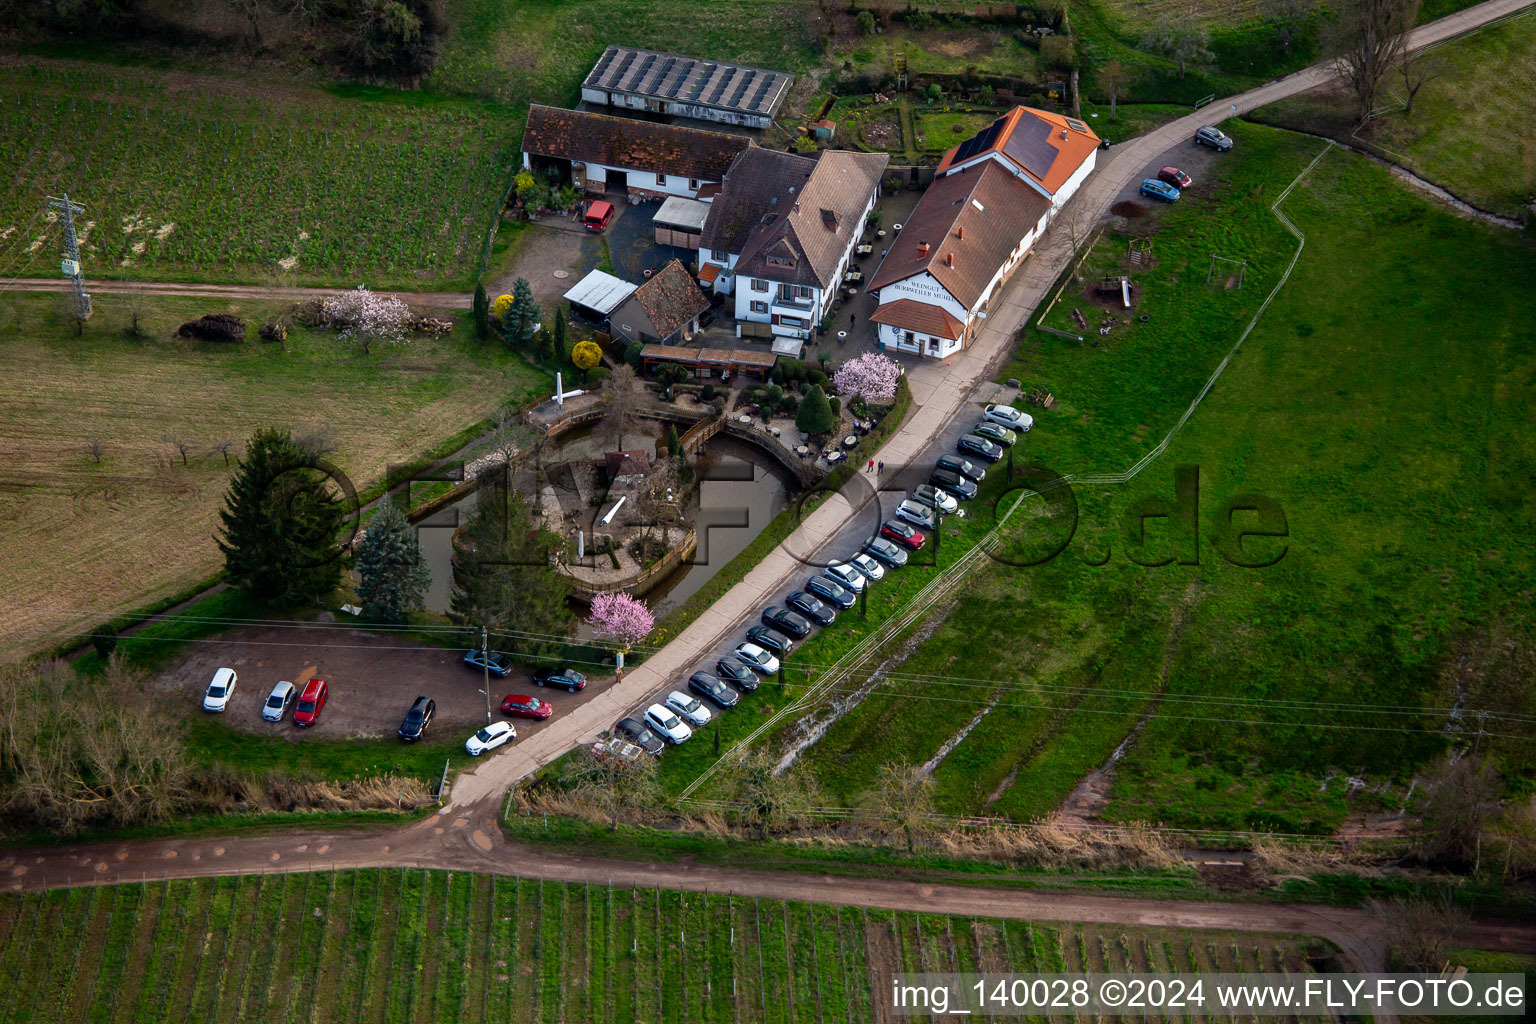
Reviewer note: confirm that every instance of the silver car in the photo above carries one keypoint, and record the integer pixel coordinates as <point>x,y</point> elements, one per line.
<point>871,569</point>
<point>1008,416</point>
<point>846,576</point>
<point>282,695</point>
<point>917,514</point>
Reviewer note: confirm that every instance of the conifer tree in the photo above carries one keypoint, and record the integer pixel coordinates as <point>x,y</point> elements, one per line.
<point>482,312</point>
<point>815,413</point>
<point>281,518</point>
<point>392,572</point>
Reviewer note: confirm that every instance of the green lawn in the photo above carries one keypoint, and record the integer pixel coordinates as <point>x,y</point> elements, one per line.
<point>1484,151</point>
<point>409,945</point>
<point>193,178</point>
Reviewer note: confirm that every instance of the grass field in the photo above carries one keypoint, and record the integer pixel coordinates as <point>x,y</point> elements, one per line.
<point>85,541</point>
<point>194,177</point>
<point>1238,698</point>
<point>407,945</point>
<point>1483,151</point>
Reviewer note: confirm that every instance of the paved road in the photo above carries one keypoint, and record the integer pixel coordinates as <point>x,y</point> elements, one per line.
<point>463,843</point>
<point>940,392</point>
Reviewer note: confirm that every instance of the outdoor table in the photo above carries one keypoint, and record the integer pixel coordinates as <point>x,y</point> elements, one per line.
<point>850,441</point>
<point>802,451</point>
<point>864,250</point>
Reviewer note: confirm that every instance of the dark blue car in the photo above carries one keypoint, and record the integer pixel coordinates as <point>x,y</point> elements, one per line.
<point>1159,190</point>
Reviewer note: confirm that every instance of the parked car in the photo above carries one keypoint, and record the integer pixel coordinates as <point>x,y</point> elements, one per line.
<point>688,709</point>
<point>1175,177</point>
<point>613,746</point>
<point>311,702</point>
<point>1154,189</point>
<point>953,484</point>
<point>996,434</point>
<point>1008,416</point>
<point>957,464</point>
<point>973,444</point>
<point>882,549</point>
<point>599,213</point>
<point>1210,135</point>
<point>846,575</point>
<point>943,501</point>
<point>757,659</point>
<point>220,689</point>
<point>902,534</point>
<point>282,695</point>
<point>918,514</point>
<point>566,678</point>
<point>738,675</point>
<point>499,664</point>
<point>775,641</point>
<point>871,569</point>
<point>787,622</point>
<point>520,705</point>
<point>639,733</point>
<point>417,719</point>
<point>830,590</point>
<point>712,689</point>
<point>667,725</point>
<point>812,608</point>
<point>489,738</point>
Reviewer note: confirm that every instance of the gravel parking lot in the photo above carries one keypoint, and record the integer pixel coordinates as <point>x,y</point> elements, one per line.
<point>373,679</point>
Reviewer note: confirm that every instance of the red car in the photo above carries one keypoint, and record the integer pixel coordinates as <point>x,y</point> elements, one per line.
<point>598,214</point>
<point>902,534</point>
<point>310,703</point>
<point>1175,177</point>
<point>521,706</point>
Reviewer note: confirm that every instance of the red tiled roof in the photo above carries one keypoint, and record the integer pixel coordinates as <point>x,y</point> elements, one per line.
<point>635,145</point>
<point>975,216</point>
<point>708,272</point>
<point>1047,147</point>
<point>919,317</point>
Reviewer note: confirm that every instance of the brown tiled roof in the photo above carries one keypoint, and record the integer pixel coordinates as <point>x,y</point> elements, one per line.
<point>626,463</point>
<point>977,216</point>
<point>636,145</point>
<point>818,227</point>
<point>708,356</point>
<point>670,298</point>
<point>1044,145</point>
<point>758,182</point>
<point>921,317</point>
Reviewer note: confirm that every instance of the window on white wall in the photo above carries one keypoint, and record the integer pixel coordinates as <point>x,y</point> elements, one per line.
<point>759,307</point>
<point>759,285</point>
<point>661,179</point>
<point>693,184</point>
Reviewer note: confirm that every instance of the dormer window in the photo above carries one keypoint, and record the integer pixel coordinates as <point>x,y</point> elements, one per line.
<point>780,260</point>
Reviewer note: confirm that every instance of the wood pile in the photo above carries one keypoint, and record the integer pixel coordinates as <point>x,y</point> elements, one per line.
<point>214,327</point>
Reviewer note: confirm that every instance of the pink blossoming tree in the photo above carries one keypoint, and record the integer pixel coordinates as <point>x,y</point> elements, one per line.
<point>621,618</point>
<point>368,318</point>
<point>871,377</point>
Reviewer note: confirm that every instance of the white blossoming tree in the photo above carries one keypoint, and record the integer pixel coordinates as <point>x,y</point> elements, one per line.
<point>871,377</point>
<point>367,318</point>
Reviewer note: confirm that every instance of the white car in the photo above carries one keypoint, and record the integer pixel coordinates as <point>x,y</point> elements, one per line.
<point>846,575</point>
<point>917,514</point>
<point>927,494</point>
<point>868,567</point>
<point>1007,416</point>
<point>220,690</point>
<point>489,738</point>
<point>688,709</point>
<point>282,695</point>
<point>671,728</point>
<point>757,659</point>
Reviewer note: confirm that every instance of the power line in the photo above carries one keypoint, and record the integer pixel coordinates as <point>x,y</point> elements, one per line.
<point>71,264</point>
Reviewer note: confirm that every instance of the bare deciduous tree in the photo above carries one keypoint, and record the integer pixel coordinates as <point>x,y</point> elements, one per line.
<point>615,783</point>
<point>1460,796</point>
<point>901,802</point>
<point>98,448</point>
<point>1179,37</point>
<point>1369,40</point>
<point>223,448</point>
<point>622,397</point>
<point>769,798</point>
<point>1417,73</point>
<point>1113,76</point>
<point>181,443</point>
<point>1288,17</point>
<point>1417,932</point>
<point>318,441</point>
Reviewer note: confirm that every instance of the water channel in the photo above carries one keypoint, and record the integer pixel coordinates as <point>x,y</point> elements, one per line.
<point>739,491</point>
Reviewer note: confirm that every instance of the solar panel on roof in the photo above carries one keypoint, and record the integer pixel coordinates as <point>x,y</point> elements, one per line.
<point>1076,125</point>
<point>757,100</point>
<point>1029,145</point>
<point>686,79</point>
<point>980,142</point>
<point>603,62</point>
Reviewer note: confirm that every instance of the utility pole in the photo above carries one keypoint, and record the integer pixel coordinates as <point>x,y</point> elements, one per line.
<point>71,264</point>
<point>485,661</point>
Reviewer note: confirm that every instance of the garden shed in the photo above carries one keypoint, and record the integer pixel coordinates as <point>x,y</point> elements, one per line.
<point>597,295</point>
<point>680,222</point>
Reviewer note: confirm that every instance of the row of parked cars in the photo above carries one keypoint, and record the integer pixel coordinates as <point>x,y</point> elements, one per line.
<point>307,703</point>
<point>517,705</point>
<point>836,588</point>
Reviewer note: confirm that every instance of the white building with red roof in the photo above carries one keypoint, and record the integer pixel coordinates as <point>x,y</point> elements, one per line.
<point>991,199</point>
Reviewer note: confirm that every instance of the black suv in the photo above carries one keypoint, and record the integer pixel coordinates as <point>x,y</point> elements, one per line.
<point>774,643</point>
<point>953,483</point>
<point>785,621</point>
<point>565,678</point>
<point>417,719</point>
<point>705,685</point>
<point>738,675</point>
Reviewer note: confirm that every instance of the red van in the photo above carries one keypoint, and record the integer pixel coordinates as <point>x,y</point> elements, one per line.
<point>599,213</point>
<point>310,703</point>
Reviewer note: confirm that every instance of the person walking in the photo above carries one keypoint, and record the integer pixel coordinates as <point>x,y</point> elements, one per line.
<point>871,468</point>
<point>851,321</point>
<point>880,468</point>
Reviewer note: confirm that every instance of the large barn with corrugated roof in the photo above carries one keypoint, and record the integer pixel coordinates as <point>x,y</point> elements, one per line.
<point>991,199</point>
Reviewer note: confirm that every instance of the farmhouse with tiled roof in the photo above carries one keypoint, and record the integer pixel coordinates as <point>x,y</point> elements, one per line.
<point>992,198</point>
<point>664,309</point>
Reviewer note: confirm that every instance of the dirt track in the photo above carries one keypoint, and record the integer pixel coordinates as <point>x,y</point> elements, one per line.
<point>435,300</point>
